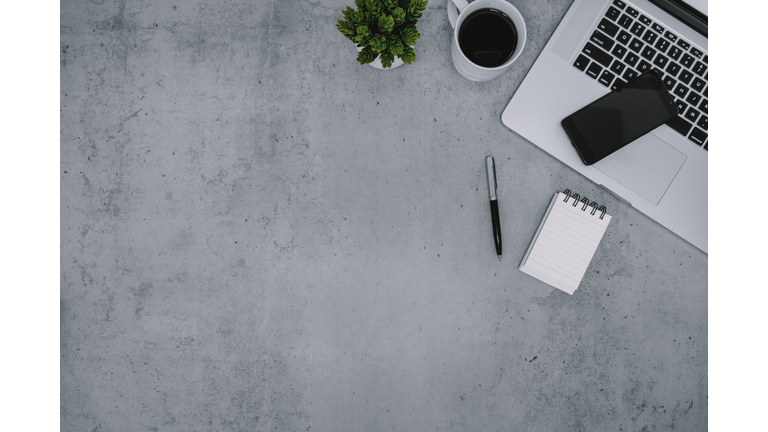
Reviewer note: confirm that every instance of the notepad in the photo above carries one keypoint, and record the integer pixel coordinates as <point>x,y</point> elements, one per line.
<point>565,241</point>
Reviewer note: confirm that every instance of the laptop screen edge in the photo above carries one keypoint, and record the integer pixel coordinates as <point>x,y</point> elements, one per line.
<point>690,14</point>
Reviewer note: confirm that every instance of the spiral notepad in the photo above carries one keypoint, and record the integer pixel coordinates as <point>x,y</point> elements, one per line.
<point>565,241</point>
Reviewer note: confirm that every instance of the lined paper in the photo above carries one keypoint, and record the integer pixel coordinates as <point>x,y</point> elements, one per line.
<point>564,243</point>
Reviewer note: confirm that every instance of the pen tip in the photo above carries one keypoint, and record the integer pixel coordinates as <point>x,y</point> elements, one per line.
<point>499,258</point>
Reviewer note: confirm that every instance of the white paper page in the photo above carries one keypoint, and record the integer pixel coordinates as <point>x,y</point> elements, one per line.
<point>564,247</point>
<point>546,279</point>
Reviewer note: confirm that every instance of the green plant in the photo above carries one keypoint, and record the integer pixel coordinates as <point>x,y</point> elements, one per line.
<point>383,28</point>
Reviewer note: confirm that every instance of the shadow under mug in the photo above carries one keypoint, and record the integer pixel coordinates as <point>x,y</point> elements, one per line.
<point>458,10</point>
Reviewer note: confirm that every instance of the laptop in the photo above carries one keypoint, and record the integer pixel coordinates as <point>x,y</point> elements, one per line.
<point>598,46</point>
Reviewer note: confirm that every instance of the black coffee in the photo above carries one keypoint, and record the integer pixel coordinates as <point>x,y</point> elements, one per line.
<point>488,37</point>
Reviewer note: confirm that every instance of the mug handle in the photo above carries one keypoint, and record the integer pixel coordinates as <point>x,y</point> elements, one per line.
<point>453,15</point>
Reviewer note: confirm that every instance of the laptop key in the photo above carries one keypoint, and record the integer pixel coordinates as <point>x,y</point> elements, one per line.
<point>629,74</point>
<point>706,90</point>
<point>675,52</point>
<point>681,106</point>
<point>669,82</point>
<point>704,106</point>
<point>683,44</point>
<point>650,37</point>
<point>648,53</point>
<point>706,59</point>
<point>671,36</point>
<point>680,125</point>
<point>696,52</point>
<point>673,68</point>
<point>657,28</point>
<point>624,37</point>
<point>631,59</point>
<point>660,61</point>
<point>703,122</point>
<point>636,45</point>
<point>637,29</point>
<point>619,4</point>
<point>625,21</point>
<point>693,98</point>
<point>594,70</point>
<point>645,20</point>
<point>597,54</point>
<point>699,68</point>
<point>681,90</point>
<point>618,83</point>
<point>612,13</point>
<point>602,40</point>
<point>644,66</point>
<point>632,12</point>
<point>686,76</point>
<point>606,78</point>
<point>617,67</point>
<point>692,114</point>
<point>698,84</point>
<point>608,27</point>
<point>662,44</point>
<point>619,51</point>
<point>581,62</point>
<point>687,60</point>
<point>698,136</point>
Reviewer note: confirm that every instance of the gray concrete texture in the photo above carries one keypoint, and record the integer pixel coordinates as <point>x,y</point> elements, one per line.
<point>259,234</point>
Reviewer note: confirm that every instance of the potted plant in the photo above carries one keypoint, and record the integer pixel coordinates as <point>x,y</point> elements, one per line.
<point>384,29</point>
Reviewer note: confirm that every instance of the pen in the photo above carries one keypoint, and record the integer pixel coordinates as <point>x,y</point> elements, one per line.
<point>490,169</point>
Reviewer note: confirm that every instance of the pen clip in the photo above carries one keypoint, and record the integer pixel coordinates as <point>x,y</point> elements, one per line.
<point>490,169</point>
<point>495,183</point>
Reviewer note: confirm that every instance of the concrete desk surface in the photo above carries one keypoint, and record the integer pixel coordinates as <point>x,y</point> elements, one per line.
<point>259,234</point>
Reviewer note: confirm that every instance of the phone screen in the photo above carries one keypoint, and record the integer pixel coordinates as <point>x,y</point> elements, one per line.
<point>620,117</point>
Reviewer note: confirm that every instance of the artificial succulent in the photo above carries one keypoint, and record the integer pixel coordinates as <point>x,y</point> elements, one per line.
<point>383,28</point>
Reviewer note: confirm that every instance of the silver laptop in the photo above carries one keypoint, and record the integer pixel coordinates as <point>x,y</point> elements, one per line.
<point>599,45</point>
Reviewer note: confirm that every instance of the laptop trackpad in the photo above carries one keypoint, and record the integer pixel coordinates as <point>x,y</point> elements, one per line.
<point>646,166</point>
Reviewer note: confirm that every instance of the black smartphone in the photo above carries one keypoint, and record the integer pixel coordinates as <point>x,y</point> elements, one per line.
<point>620,117</point>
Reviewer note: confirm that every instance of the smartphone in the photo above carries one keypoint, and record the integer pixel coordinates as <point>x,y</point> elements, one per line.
<point>620,117</point>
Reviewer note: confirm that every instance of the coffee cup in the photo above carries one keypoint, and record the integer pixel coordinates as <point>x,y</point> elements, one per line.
<point>488,36</point>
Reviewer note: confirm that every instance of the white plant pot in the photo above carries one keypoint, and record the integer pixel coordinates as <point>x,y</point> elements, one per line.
<point>376,63</point>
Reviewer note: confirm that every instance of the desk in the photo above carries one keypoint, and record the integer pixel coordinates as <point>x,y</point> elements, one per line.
<point>257,233</point>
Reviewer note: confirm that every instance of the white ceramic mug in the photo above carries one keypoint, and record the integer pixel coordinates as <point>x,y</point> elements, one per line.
<point>464,66</point>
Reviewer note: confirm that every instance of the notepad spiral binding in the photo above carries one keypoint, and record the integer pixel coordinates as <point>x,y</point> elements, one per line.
<point>586,203</point>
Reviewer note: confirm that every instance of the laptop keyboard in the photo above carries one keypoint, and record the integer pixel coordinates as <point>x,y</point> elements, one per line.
<point>626,43</point>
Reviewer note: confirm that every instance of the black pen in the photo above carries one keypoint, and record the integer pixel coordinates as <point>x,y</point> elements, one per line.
<point>490,169</point>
